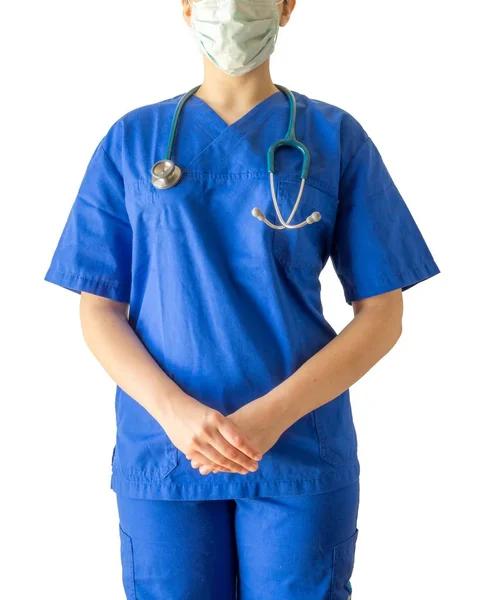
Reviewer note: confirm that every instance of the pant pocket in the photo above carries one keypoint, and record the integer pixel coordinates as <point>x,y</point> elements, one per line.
<point>343,563</point>
<point>127,563</point>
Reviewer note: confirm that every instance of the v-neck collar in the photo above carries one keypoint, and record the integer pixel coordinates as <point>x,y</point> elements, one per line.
<point>226,141</point>
<point>220,125</point>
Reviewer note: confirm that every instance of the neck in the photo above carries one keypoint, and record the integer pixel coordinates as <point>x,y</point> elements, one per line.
<point>236,93</point>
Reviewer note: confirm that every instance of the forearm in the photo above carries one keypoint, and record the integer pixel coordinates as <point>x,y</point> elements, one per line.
<point>122,354</point>
<point>332,370</point>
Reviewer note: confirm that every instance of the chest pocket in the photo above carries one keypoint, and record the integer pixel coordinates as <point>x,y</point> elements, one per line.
<point>306,247</point>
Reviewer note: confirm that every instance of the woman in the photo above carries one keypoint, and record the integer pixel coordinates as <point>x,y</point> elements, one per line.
<point>231,385</point>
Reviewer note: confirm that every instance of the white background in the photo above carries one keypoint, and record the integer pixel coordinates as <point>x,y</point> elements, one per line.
<point>404,70</point>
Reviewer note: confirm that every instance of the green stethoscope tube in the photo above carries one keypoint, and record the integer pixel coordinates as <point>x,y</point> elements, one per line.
<point>175,120</point>
<point>290,138</point>
<point>165,174</point>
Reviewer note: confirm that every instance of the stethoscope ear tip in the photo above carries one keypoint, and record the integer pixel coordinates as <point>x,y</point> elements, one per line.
<point>256,212</point>
<point>313,218</point>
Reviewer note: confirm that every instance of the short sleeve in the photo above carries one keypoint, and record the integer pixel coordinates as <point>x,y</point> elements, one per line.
<point>377,246</point>
<point>94,250</point>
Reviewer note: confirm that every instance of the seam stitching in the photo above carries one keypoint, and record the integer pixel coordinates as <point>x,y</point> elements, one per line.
<point>368,139</point>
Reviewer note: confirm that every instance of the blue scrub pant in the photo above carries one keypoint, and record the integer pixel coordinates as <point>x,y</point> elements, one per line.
<point>281,547</point>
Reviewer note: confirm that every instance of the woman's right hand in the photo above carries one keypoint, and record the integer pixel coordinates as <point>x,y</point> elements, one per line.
<point>205,435</point>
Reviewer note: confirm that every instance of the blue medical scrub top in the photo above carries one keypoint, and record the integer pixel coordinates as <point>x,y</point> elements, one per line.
<point>227,306</point>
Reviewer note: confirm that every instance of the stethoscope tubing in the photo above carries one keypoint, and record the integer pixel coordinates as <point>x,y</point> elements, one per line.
<point>165,174</point>
<point>175,120</point>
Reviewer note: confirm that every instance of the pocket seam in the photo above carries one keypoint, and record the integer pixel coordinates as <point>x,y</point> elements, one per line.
<point>348,455</point>
<point>128,547</point>
<point>348,546</point>
<point>172,457</point>
<point>326,454</point>
<point>171,450</point>
<point>290,262</point>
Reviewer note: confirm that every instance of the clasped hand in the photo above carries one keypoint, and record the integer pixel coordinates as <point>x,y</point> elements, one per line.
<point>214,442</point>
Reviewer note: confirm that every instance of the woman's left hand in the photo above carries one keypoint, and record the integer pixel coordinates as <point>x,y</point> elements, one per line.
<point>257,424</point>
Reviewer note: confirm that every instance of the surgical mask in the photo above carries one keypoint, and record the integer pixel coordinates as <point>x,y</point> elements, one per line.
<point>236,35</point>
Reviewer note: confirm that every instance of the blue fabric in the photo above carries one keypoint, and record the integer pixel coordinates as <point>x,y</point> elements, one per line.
<point>289,547</point>
<point>227,306</point>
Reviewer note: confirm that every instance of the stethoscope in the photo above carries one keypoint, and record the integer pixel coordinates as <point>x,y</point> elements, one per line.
<point>166,174</point>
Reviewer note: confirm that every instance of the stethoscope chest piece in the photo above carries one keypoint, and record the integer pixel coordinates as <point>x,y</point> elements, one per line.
<point>165,174</point>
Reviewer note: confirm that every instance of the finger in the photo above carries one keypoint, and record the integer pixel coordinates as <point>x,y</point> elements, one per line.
<point>232,452</point>
<point>223,463</point>
<point>206,470</point>
<point>230,456</point>
<point>201,462</point>
<point>235,437</point>
<point>214,456</point>
<point>196,464</point>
